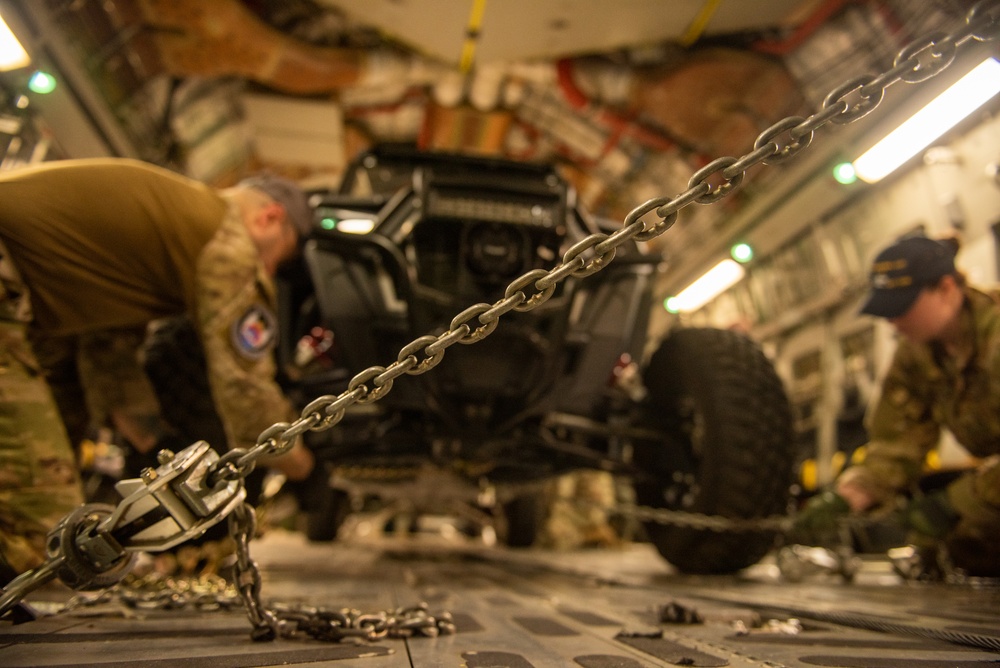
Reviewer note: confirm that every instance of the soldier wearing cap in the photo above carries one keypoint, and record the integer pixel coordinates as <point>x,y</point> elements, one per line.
<point>95,250</point>
<point>945,374</point>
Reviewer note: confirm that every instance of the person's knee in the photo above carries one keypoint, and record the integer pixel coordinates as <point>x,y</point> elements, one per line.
<point>972,545</point>
<point>975,496</point>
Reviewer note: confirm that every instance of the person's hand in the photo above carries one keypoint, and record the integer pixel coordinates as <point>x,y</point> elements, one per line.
<point>931,515</point>
<point>818,523</point>
<point>858,496</point>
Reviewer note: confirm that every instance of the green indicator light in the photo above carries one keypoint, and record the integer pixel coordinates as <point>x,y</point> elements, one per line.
<point>844,173</point>
<point>670,303</point>
<point>42,83</point>
<point>328,223</point>
<point>741,252</point>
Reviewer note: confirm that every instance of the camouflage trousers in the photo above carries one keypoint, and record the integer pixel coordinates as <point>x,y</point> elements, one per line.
<point>974,543</point>
<point>578,514</point>
<point>39,482</point>
<point>98,381</point>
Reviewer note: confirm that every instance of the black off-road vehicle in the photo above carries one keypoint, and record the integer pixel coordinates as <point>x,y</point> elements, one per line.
<point>411,239</point>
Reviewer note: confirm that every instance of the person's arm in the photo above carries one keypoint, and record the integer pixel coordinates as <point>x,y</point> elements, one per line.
<point>238,331</point>
<point>901,432</point>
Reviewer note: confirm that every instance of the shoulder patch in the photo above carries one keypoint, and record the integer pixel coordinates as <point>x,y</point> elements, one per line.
<point>254,332</point>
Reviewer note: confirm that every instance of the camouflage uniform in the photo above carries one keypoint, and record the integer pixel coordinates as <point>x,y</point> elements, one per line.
<point>106,247</point>
<point>38,478</point>
<point>96,373</point>
<point>235,317</point>
<point>578,515</point>
<point>926,390</point>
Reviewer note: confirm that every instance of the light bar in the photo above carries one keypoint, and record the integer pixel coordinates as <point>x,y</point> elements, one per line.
<point>12,54</point>
<point>940,115</point>
<point>711,284</point>
<point>356,225</point>
<point>348,222</point>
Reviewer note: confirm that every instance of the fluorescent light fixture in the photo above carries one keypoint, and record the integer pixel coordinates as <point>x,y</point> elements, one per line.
<point>940,115</point>
<point>712,283</point>
<point>12,54</point>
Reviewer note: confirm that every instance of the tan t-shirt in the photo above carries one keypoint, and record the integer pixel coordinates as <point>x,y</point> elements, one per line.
<point>111,243</point>
<point>235,319</point>
<point>106,242</point>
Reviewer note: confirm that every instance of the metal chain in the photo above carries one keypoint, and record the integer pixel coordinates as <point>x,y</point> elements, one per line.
<point>335,625</point>
<point>320,623</point>
<point>163,592</point>
<point>919,61</point>
<point>716,523</point>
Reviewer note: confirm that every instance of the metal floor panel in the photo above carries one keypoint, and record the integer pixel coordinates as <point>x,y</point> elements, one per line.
<point>522,609</point>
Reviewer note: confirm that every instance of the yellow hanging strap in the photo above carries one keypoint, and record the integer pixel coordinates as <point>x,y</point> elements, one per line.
<point>472,35</point>
<point>698,24</point>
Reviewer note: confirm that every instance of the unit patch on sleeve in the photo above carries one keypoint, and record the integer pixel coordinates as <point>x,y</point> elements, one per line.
<point>254,332</point>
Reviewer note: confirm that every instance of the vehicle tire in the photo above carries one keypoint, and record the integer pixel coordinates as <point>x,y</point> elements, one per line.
<point>323,520</point>
<point>325,508</point>
<point>524,517</point>
<point>729,449</point>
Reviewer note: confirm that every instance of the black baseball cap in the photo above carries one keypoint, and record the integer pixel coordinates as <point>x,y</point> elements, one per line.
<point>902,270</point>
<point>288,194</point>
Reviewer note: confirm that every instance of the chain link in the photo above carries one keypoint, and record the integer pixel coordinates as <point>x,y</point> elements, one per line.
<point>289,621</point>
<point>919,61</point>
<point>155,591</point>
<point>336,624</point>
<point>716,523</point>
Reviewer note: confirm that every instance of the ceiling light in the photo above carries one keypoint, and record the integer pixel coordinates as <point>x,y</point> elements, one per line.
<point>712,283</point>
<point>12,54</point>
<point>940,115</point>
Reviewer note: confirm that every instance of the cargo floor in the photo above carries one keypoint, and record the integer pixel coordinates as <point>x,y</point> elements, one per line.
<point>597,608</point>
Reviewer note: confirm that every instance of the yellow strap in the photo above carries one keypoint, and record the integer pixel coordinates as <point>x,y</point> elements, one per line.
<point>472,35</point>
<point>700,21</point>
